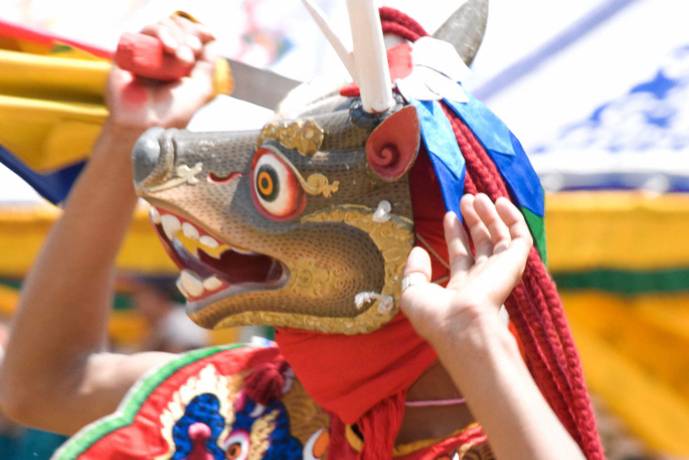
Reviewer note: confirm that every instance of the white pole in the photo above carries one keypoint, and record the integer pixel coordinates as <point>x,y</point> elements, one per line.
<point>345,56</point>
<point>370,56</point>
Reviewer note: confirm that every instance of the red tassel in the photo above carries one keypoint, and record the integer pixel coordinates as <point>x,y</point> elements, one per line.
<point>379,427</point>
<point>266,383</point>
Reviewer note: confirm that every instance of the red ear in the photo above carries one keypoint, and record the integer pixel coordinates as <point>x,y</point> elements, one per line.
<point>392,147</point>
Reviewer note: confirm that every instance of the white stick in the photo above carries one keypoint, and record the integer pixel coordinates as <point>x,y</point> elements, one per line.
<point>370,56</point>
<point>345,56</point>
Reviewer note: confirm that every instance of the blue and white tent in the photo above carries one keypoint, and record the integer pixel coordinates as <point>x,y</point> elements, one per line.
<point>603,102</point>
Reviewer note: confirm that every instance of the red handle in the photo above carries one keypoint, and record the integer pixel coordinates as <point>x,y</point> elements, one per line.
<point>144,56</point>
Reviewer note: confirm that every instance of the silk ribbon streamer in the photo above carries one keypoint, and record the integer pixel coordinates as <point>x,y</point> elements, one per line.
<point>505,151</point>
<point>443,150</point>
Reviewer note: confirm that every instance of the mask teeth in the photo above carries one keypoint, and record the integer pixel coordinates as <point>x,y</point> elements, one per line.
<point>385,302</point>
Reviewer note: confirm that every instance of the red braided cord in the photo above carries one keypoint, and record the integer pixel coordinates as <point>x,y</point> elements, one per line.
<point>582,403</point>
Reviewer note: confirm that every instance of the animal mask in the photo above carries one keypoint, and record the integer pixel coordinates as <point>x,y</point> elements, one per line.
<point>306,223</point>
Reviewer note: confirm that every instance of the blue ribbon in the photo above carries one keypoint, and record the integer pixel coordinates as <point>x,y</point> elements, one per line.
<point>53,186</point>
<point>505,151</point>
<point>443,151</point>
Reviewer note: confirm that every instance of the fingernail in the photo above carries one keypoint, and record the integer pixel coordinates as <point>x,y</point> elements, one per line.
<point>194,43</point>
<point>185,54</point>
<point>167,39</point>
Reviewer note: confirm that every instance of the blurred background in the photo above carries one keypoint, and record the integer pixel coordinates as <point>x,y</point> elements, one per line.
<point>596,90</point>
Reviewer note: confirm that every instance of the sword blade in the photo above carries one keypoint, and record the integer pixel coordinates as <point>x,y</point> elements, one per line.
<point>259,86</point>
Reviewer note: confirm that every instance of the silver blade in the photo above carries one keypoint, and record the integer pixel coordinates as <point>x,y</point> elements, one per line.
<point>259,86</point>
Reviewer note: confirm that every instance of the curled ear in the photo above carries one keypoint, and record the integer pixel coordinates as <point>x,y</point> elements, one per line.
<point>393,146</point>
<point>465,28</point>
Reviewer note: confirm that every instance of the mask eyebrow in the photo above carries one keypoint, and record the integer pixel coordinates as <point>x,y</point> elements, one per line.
<point>304,136</point>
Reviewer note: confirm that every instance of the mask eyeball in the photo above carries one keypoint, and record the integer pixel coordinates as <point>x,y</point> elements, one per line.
<point>237,446</point>
<point>275,187</point>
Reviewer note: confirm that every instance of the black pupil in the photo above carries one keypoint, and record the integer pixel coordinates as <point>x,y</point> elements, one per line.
<point>234,450</point>
<point>268,184</point>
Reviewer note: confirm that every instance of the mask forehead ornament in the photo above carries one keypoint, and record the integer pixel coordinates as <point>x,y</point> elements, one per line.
<point>306,223</point>
<point>305,136</point>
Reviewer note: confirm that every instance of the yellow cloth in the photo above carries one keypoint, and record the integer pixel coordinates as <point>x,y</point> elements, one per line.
<point>634,354</point>
<point>51,102</point>
<point>586,230</point>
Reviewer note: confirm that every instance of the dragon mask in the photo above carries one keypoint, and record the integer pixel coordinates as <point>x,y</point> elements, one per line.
<point>306,223</point>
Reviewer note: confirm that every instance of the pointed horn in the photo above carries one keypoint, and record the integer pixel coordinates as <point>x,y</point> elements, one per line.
<point>370,56</point>
<point>465,28</point>
<point>345,56</point>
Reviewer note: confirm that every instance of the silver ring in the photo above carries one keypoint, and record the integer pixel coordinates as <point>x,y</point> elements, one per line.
<point>413,279</point>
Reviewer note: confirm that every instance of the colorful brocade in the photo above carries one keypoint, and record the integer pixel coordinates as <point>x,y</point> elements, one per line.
<point>200,407</point>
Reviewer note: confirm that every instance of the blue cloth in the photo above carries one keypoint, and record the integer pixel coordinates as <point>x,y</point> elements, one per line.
<point>53,186</point>
<point>38,445</point>
<point>441,144</point>
<point>29,444</point>
<point>505,151</point>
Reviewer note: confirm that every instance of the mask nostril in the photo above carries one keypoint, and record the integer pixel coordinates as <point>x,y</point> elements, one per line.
<point>146,154</point>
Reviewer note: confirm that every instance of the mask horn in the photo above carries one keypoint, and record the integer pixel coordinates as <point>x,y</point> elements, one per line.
<point>370,56</point>
<point>465,28</point>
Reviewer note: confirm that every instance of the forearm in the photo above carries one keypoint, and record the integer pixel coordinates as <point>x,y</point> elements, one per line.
<point>485,364</point>
<point>65,301</point>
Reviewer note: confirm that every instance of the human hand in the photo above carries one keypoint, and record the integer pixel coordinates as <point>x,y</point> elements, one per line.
<point>479,283</point>
<point>137,103</point>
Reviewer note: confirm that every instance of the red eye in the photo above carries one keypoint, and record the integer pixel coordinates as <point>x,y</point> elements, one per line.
<point>276,189</point>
